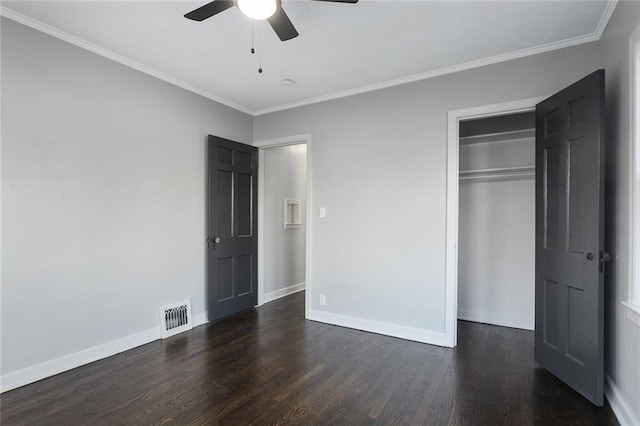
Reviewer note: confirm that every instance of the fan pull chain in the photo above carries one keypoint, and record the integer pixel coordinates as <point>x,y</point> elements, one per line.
<point>253,28</point>
<point>253,49</point>
<point>260,60</point>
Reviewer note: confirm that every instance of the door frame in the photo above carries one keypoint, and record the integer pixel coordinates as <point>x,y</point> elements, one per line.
<point>274,143</point>
<point>453,184</point>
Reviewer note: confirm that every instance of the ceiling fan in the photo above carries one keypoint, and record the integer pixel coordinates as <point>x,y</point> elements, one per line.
<point>271,10</point>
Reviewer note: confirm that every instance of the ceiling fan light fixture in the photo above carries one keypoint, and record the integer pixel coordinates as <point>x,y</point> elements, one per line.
<point>258,9</point>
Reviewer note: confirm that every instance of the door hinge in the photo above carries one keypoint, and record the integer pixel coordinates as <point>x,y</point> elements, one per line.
<point>604,258</point>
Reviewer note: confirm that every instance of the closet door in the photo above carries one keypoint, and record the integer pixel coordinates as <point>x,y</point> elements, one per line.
<point>570,236</point>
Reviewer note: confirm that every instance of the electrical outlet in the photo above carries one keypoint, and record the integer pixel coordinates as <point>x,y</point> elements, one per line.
<point>323,299</point>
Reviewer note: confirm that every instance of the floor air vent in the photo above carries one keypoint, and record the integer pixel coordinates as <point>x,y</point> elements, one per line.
<point>175,318</point>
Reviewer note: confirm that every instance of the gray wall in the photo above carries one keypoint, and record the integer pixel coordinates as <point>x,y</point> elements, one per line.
<point>285,177</point>
<point>103,196</point>
<point>623,336</point>
<point>378,164</point>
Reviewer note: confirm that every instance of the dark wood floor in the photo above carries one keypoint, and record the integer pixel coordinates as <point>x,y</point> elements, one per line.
<point>270,366</point>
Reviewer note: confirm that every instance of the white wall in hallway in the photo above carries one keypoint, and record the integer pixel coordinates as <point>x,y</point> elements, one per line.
<point>285,177</point>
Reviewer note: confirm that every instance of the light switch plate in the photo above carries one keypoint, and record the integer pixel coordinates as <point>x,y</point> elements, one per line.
<point>323,212</point>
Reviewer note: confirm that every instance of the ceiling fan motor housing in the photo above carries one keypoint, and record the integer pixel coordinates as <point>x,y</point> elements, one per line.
<point>278,18</point>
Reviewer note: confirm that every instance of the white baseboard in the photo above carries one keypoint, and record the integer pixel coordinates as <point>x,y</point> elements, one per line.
<point>388,329</point>
<point>201,318</point>
<point>32,374</point>
<point>273,295</point>
<point>524,322</point>
<point>619,404</point>
<point>55,366</point>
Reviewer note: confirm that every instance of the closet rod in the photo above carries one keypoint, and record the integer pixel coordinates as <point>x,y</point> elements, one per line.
<point>501,173</point>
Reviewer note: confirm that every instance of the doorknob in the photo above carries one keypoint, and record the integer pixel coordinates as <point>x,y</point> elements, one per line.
<point>214,240</point>
<point>589,256</point>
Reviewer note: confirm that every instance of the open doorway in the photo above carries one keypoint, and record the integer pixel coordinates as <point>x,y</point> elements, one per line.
<point>489,169</point>
<point>282,217</point>
<point>496,251</point>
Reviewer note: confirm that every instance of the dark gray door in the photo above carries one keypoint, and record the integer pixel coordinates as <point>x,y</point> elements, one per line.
<point>570,237</point>
<point>232,244</point>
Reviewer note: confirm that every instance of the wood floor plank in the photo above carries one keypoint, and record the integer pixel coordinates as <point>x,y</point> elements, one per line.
<point>270,366</point>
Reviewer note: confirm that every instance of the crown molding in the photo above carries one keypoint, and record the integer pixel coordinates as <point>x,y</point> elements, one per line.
<point>79,42</point>
<point>606,16</point>
<point>530,51</point>
<point>434,73</point>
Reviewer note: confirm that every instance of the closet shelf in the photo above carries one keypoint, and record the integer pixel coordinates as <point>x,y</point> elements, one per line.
<point>498,137</point>
<point>502,173</point>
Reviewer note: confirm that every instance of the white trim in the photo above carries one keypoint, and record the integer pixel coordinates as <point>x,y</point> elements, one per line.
<point>633,312</point>
<point>200,319</point>
<point>273,143</point>
<point>25,376</point>
<point>604,19</point>
<point>620,406</point>
<point>453,183</point>
<point>530,51</point>
<point>277,294</point>
<point>260,228</point>
<point>524,322</point>
<point>55,366</point>
<point>633,298</point>
<point>378,327</point>
<point>79,42</point>
<point>283,141</point>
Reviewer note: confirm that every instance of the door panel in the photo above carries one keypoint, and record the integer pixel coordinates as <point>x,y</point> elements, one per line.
<point>245,274</point>
<point>570,236</point>
<point>550,307</point>
<point>224,198</point>
<point>232,250</point>
<point>579,193</point>
<point>553,197</point>
<point>225,279</point>
<point>243,202</point>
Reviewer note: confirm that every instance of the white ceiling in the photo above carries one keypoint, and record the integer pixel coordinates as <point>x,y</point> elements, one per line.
<point>341,49</point>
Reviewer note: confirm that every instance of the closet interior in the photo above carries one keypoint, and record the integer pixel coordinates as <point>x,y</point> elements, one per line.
<point>496,246</point>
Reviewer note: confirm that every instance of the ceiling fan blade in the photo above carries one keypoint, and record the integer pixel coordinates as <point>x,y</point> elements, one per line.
<point>209,9</point>
<point>340,1</point>
<point>282,25</point>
